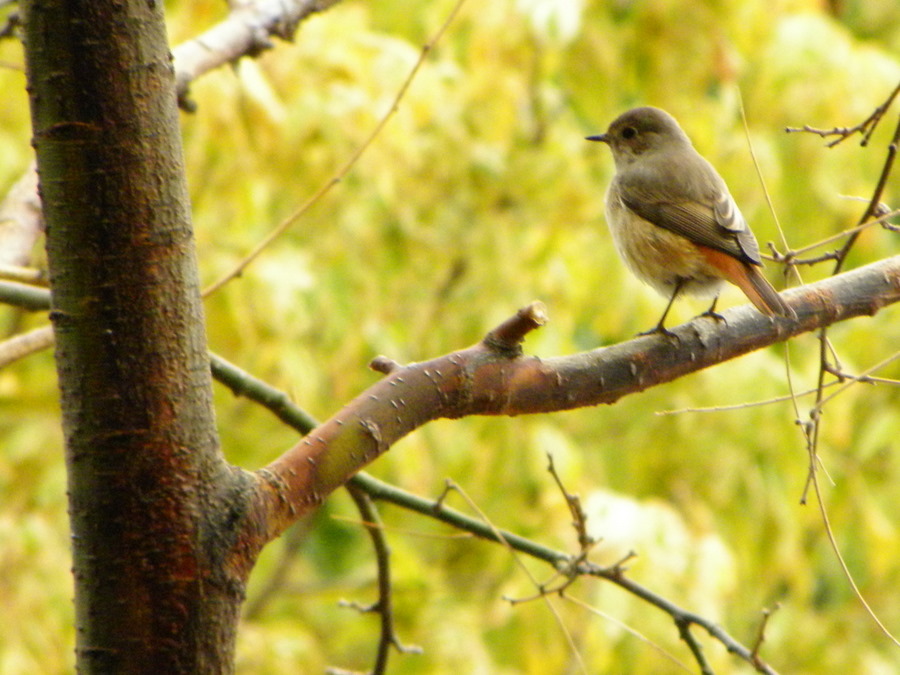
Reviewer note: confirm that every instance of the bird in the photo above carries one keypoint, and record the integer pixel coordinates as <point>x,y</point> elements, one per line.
<point>673,220</point>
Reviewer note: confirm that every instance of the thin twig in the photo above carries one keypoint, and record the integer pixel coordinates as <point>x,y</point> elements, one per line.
<point>628,629</point>
<point>811,429</point>
<point>283,227</point>
<point>875,202</point>
<point>385,604</point>
<point>615,574</point>
<point>832,540</point>
<point>579,519</point>
<point>741,406</point>
<point>585,543</point>
<point>263,394</point>
<point>866,127</point>
<point>761,632</point>
<point>863,377</point>
<point>792,254</point>
<point>501,538</point>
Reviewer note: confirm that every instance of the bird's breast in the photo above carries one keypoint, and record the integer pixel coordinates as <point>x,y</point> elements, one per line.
<point>658,256</point>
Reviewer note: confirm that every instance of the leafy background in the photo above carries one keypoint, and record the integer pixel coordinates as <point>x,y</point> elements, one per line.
<point>480,196</point>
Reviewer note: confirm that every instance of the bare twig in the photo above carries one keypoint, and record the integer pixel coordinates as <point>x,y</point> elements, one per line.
<point>25,344</point>
<point>791,255</point>
<point>246,31</point>
<point>875,202</point>
<point>741,406</point>
<point>258,391</point>
<point>385,604</point>
<point>811,428</point>
<point>832,540</point>
<point>498,533</point>
<point>573,501</point>
<point>614,574</point>
<point>761,632</point>
<point>866,127</point>
<point>849,380</point>
<point>631,631</point>
<point>585,543</point>
<point>284,225</point>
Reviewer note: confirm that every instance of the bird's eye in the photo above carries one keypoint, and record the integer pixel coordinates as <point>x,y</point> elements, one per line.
<point>629,132</point>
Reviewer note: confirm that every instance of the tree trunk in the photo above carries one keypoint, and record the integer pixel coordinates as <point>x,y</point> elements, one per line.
<point>147,484</point>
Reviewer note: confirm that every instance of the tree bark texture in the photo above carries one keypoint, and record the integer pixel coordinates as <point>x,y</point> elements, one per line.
<point>146,479</point>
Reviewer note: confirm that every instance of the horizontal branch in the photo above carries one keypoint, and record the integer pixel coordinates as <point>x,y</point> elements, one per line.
<point>25,296</point>
<point>495,378</point>
<point>572,566</point>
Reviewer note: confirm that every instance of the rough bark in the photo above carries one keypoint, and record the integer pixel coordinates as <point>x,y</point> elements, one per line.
<point>149,492</point>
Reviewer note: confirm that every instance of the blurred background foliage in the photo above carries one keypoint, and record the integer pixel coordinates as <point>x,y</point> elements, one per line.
<point>480,196</point>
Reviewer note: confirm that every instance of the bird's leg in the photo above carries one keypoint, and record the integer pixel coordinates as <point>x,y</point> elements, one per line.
<point>660,327</point>
<point>713,314</point>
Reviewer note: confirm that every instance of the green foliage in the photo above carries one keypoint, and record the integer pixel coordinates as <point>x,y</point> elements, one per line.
<point>479,196</point>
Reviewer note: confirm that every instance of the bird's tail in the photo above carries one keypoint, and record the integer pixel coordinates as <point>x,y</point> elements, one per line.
<point>765,298</point>
<point>749,279</point>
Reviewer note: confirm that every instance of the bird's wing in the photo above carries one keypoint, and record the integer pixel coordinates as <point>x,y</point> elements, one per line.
<point>713,221</point>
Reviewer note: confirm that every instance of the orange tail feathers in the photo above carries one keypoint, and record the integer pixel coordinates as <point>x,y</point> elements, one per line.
<point>750,280</point>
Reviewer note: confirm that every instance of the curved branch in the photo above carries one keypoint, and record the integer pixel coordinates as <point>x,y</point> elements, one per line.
<point>490,378</point>
<point>25,344</point>
<point>384,606</point>
<point>364,487</point>
<point>244,32</point>
<point>362,484</point>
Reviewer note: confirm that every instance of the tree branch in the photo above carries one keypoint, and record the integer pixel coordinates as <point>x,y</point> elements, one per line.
<point>488,379</point>
<point>559,560</point>
<point>246,31</point>
<point>573,566</point>
<point>866,127</point>
<point>495,378</point>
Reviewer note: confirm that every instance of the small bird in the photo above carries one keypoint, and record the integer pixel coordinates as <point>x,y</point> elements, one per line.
<point>673,220</point>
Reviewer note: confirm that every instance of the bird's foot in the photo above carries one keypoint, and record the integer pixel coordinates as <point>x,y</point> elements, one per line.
<point>715,316</point>
<point>660,329</point>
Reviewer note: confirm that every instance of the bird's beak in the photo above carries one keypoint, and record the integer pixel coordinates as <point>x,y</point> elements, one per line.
<point>603,138</point>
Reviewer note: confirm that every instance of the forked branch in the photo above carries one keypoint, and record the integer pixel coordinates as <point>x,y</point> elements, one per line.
<point>494,377</point>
